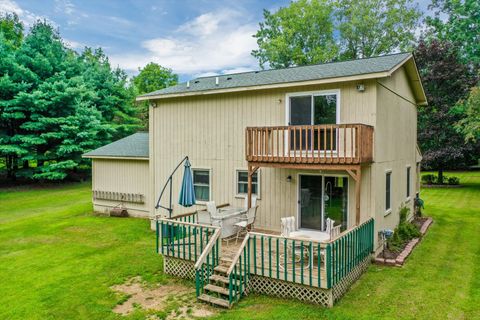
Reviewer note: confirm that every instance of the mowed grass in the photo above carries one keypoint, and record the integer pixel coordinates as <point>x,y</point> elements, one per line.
<point>57,261</point>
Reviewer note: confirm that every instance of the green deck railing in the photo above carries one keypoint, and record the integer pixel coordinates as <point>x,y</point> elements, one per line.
<point>288,259</point>
<point>312,263</point>
<point>191,217</point>
<point>183,240</point>
<point>349,250</point>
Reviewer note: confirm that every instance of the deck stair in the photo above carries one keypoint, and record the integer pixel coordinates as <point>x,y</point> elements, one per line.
<point>217,290</point>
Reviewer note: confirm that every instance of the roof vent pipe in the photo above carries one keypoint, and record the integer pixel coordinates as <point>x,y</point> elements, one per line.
<point>216,81</point>
<point>188,84</point>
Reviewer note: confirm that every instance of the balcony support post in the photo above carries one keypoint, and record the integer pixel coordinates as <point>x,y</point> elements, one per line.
<point>356,175</point>
<point>251,172</point>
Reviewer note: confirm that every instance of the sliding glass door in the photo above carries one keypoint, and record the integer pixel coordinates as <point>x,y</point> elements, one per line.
<point>313,109</point>
<point>322,197</point>
<point>335,200</point>
<point>310,195</point>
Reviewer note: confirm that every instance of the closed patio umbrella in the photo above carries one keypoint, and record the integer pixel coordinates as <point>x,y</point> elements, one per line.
<point>187,192</point>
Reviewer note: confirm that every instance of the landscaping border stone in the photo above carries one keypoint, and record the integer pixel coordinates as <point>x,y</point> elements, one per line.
<point>400,259</point>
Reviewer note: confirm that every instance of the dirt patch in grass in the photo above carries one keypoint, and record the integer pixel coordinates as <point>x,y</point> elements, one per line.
<point>168,301</point>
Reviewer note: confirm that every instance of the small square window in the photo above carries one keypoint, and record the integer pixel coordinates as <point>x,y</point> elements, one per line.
<point>201,184</point>
<point>242,183</point>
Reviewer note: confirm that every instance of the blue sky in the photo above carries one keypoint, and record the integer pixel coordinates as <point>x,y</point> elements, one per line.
<point>193,37</point>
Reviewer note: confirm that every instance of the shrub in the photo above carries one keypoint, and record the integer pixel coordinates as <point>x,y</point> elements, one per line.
<point>453,181</point>
<point>404,232</point>
<point>429,178</point>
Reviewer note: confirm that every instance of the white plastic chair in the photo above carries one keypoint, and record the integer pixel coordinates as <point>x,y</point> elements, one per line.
<point>246,221</point>
<point>288,226</point>
<point>332,230</point>
<point>213,214</point>
<point>254,202</point>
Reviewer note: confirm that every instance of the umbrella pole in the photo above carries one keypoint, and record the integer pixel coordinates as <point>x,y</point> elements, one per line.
<point>169,209</point>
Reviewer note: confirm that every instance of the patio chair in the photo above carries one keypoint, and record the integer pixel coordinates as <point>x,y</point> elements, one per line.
<point>209,217</point>
<point>332,230</point>
<point>254,202</point>
<point>288,225</point>
<point>246,221</point>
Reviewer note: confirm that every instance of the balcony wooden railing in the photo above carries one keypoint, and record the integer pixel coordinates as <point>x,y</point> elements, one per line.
<point>310,144</point>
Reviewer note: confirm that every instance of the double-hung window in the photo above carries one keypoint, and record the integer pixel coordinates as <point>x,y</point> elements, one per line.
<point>201,184</point>
<point>242,183</point>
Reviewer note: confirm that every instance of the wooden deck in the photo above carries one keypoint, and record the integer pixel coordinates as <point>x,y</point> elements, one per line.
<point>345,144</point>
<point>275,258</point>
<point>270,256</point>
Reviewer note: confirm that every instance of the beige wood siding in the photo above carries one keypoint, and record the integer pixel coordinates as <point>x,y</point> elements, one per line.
<point>125,176</point>
<point>395,147</point>
<point>211,131</point>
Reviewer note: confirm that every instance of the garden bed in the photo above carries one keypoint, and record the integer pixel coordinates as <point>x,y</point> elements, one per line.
<point>441,186</point>
<point>393,258</point>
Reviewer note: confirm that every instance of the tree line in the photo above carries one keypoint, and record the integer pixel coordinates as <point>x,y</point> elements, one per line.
<point>446,46</point>
<point>56,104</point>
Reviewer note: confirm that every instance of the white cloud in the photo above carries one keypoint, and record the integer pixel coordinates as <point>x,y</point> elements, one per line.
<point>27,17</point>
<point>211,43</point>
<point>73,44</point>
<point>65,6</point>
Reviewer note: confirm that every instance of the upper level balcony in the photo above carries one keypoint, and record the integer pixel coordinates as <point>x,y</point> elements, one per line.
<point>310,144</point>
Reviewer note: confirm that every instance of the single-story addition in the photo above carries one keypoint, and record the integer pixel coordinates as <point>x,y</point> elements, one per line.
<point>120,176</point>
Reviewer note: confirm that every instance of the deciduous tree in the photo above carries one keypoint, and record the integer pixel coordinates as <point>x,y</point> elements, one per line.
<point>299,34</point>
<point>446,80</point>
<point>461,26</point>
<point>150,78</point>
<point>315,31</point>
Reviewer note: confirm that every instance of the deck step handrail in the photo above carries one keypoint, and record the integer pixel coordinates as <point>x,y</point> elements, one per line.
<point>239,272</point>
<point>239,252</point>
<point>207,261</point>
<point>208,248</point>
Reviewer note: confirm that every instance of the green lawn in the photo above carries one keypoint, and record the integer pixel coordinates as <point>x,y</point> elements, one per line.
<point>57,261</point>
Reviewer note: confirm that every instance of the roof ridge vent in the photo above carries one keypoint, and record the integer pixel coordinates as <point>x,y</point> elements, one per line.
<point>216,81</point>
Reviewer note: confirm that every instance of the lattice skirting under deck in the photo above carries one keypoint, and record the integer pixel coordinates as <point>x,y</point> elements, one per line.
<point>179,268</point>
<point>325,297</point>
<point>342,287</point>
<point>283,289</point>
<point>278,288</point>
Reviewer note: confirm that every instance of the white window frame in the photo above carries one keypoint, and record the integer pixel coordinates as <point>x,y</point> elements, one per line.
<point>389,210</point>
<point>243,195</point>
<point>408,169</point>
<point>209,183</point>
<point>312,108</point>
<point>313,94</point>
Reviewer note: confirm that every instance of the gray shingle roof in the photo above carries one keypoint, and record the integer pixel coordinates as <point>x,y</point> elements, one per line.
<point>134,146</point>
<point>287,75</point>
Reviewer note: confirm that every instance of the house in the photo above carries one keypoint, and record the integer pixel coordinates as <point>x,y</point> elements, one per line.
<point>328,142</point>
<point>119,174</point>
